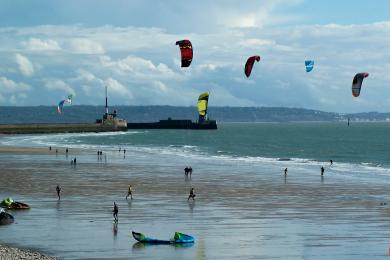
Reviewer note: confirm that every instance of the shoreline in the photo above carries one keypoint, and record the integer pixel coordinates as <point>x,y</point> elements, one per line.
<point>11,252</point>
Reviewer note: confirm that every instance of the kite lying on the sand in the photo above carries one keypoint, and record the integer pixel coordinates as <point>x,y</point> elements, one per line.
<point>179,238</point>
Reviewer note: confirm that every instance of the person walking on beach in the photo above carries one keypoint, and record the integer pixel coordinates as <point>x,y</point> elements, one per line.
<point>66,151</point>
<point>192,195</point>
<point>58,189</point>
<point>74,161</point>
<point>130,192</point>
<point>186,170</point>
<point>115,212</point>
<point>285,171</point>
<point>322,170</point>
<point>190,170</point>
<point>331,162</point>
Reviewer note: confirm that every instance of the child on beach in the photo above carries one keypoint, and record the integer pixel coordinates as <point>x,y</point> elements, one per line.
<point>192,195</point>
<point>115,212</point>
<point>130,192</point>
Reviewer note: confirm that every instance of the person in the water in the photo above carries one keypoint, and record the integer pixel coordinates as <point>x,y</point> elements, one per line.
<point>192,195</point>
<point>322,170</point>
<point>58,189</point>
<point>115,212</point>
<point>285,171</point>
<point>130,192</point>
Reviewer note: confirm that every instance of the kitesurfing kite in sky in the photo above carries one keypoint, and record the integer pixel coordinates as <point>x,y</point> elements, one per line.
<point>249,64</point>
<point>186,52</point>
<point>357,83</point>
<point>60,106</point>
<point>309,65</point>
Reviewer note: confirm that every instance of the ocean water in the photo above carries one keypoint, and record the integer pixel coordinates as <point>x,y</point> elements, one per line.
<point>359,145</point>
<point>245,208</point>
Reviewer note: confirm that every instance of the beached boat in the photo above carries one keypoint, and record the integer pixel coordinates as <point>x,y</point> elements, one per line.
<point>179,238</point>
<point>5,218</point>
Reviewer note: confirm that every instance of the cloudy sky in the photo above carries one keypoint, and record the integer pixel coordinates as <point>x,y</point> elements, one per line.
<point>49,49</point>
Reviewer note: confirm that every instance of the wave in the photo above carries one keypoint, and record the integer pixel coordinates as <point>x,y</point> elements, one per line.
<point>193,152</point>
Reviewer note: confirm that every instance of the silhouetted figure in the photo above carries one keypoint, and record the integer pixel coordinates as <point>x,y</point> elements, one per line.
<point>192,195</point>
<point>66,151</point>
<point>190,170</point>
<point>74,161</point>
<point>49,148</point>
<point>115,212</point>
<point>58,189</point>
<point>186,171</point>
<point>331,162</point>
<point>124,151</point>
<point>322,170</point>
<point>120,149</point>
<point>130,192</point>
<point>56,151</point>
<point>285,171</point>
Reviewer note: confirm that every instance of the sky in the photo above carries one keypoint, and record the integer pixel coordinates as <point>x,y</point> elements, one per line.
<point>50,49</point>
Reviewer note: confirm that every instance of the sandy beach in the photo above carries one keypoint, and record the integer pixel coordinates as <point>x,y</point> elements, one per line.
<point>246,207</point>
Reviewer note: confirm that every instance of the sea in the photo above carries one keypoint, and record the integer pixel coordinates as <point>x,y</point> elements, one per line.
<point>246,208</point>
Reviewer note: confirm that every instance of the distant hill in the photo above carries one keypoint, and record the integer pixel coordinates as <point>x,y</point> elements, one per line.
<point>84,114</point>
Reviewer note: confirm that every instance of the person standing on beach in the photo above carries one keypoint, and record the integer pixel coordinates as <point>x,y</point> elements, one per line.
<point>58,189</point>
<point>49,148</point>
<point>322,170</point>
<point>130,192</point>
<point>66,151</point>
<point>190,170</point>
<point>186,170</point>
<point>331,162</point>
<point>192,195</point>
<point>74,161</point>
<point>115,212</point>
<point>285,171</point>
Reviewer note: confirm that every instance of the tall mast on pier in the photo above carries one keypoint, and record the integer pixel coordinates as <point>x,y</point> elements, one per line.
<point>106,102</point>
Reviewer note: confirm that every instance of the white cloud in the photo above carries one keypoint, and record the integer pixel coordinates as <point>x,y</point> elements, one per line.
<point>57,84</point>
<point>116,87</point>
<point>25,65</point>
<point>10,86</point>
<point>137,67</point>
<point>86,46</point>
<point>12,92</point>
<point>36,44</point>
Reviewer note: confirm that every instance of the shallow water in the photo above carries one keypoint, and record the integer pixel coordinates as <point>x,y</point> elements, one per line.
<point>245,207</point>
<point>243,210</point>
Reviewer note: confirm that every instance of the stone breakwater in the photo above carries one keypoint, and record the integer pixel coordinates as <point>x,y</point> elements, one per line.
<point>12,253</point>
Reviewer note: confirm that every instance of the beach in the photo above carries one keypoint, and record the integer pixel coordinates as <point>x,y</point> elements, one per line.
<point>7,252</point>
<point>244,208</point>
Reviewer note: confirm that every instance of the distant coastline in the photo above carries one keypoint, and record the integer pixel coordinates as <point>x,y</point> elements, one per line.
<point>88,114</point>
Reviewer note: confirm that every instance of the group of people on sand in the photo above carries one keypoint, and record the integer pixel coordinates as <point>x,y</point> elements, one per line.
<point>322,169</point>
<point>188,170</point>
